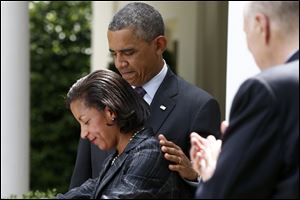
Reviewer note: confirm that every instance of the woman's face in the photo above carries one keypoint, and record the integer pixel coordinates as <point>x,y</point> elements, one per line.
<point>94,125</point>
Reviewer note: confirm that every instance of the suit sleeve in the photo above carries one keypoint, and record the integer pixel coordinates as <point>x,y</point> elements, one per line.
<point>207,119</point>
<point>82,170</point>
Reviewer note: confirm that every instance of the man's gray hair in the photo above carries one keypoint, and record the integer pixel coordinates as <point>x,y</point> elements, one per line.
<point>284,13</point>
<point>146,22</point>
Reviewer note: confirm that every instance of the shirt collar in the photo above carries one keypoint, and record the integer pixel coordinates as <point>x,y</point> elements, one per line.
<point>290,56</point>
<point>152,86</point>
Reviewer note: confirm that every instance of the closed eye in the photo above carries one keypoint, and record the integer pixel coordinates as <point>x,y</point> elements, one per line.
<point>129,52</point>
<point>125,52</point>
<point>113,54</point>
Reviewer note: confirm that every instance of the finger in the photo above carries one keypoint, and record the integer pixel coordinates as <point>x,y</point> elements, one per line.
<point>211,142</point>
<point>199,143</point>
<point>172,158</point>
<point>219,144</point>
<point>193,151</point>
<point>195,144</point>
<point>217,149</point>
<point>202,164</point>
<point>196,163</point>
<point>208,160</point>
<point>176,168</point>
<point>201,161</point>
<point>193,155</point>
<point>211,138</point>
<point>213,148</point>
<point>224,126</point>
<point>171,150</point>
<point>169,144</point>
<point>161,137</point>
<point>206,153</point>
<point>194,134</point>
<point>197,137</point>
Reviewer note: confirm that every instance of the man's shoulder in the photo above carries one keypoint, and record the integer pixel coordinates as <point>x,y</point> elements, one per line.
<point>286,71</point>
<point>191,91</point>
<point>276,81</point>
<point>279,76</point>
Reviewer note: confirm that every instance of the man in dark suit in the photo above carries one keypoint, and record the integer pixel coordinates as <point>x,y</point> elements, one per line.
<point>260,153</point>
<point>136,41</point>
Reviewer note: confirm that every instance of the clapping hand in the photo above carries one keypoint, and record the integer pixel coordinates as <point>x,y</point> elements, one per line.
<point>204,154</point>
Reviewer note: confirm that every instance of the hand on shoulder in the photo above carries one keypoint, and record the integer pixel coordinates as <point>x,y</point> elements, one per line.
<point>179,162</point>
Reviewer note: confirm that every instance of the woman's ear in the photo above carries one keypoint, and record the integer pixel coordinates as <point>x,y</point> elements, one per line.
<point>110,116</point>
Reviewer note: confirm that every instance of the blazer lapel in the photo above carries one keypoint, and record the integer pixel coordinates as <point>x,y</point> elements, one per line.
<point>163,101</point>
<point>109,172</point>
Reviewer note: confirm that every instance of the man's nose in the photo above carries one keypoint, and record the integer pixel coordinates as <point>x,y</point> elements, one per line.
<point>120,62</point>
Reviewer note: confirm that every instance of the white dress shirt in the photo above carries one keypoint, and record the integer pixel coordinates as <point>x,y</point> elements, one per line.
<point>151,86</point>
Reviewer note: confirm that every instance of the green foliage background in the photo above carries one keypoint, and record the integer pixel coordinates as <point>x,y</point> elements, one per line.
<point>59,55</point>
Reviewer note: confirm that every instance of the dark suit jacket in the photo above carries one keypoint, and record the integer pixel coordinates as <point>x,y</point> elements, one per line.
<point>260,153</point>
<point>140,171</point>
<point>188,108</point>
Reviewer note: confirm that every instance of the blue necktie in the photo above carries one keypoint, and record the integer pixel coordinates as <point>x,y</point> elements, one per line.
<point>140,90</point>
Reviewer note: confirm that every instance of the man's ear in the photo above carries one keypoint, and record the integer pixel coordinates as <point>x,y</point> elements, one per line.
<point>161,44</point>
<point>263,27</point>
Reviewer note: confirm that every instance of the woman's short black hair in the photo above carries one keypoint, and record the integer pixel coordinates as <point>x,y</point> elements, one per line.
<point>105,88</point>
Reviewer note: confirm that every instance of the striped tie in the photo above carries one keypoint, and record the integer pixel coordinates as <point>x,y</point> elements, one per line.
<point>140,90</point>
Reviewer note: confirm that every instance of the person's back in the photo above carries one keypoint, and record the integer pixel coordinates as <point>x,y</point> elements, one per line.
<point>260,153</point>
<point>263,136</point>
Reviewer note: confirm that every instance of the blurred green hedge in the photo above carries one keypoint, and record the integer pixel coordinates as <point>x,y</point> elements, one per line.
<point>49,194</point>
<point>59,54</point>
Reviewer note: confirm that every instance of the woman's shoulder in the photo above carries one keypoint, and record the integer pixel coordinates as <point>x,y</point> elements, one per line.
<point>146,139</point>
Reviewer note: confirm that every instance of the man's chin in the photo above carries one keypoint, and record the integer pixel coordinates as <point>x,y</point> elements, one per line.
<point>131,82</point>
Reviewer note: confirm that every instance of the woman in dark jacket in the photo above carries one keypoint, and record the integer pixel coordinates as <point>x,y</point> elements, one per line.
<point>112,116</point>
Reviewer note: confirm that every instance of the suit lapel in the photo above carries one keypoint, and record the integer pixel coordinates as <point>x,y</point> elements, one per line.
<point>163,102</point>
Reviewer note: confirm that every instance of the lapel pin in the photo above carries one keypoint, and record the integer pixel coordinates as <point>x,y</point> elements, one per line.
<point>163,107</point>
